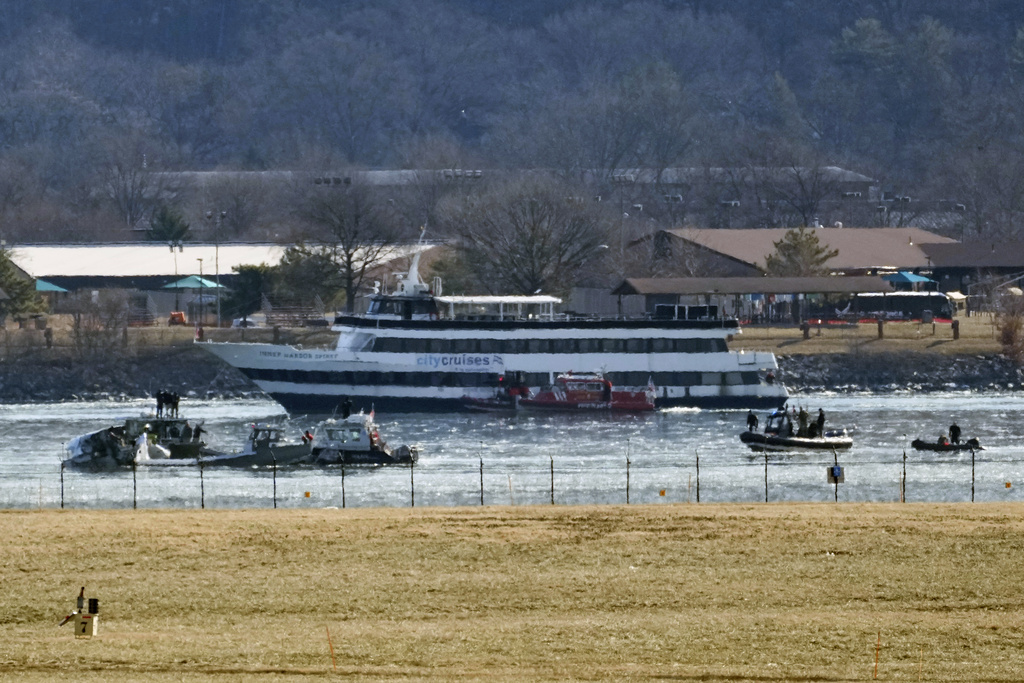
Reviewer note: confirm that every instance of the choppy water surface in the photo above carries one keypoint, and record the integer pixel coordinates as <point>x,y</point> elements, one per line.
<point>584,458</point>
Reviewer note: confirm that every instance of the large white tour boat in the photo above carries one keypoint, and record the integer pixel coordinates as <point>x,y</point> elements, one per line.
<point>414,350</point>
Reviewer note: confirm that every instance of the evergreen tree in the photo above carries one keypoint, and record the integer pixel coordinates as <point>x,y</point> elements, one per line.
<point>168,225</point>
<point>248,289</point>
<point>799,254</point>
<point>22,298</point>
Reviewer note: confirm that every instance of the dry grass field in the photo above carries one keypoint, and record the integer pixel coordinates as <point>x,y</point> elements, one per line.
<point>978,335</point>
<point>672,593</point>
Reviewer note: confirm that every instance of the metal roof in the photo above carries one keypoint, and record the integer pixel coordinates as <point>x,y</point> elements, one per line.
<point>859,248</point>
<point>752,285</point>
<point>150,259</point>
<point>137,259</point>
<point>976,255</point>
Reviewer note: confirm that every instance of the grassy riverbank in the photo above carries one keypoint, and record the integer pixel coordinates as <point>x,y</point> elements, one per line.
<point>686,593</point>
<point>978,335</point>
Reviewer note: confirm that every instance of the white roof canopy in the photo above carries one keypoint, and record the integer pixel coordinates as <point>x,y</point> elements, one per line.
<point>133,260</point>
<point>503,304</point>
<point>497,300</point>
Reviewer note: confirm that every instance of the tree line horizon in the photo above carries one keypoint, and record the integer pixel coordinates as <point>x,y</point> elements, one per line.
<point>98,99</point>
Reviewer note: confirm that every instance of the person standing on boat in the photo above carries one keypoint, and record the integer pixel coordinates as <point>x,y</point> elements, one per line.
<point>751,421</point>
<point>346,408</point>
<point>802,421</point>
<point>821,422</point>
<point>954,433</point>
<point>147,448</point>
<point>142,445</point>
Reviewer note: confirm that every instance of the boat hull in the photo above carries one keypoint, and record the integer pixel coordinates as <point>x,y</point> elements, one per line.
<point>326,404</point>
<point>488,405</point>
<point>770,442</point>
<point>403,455</point>
<point>969,445</point>
<point>263,456</point>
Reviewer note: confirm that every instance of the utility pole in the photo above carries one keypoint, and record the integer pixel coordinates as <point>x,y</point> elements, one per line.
<point>172,244</point>
<point>221,215</point>
<point>199,313</point>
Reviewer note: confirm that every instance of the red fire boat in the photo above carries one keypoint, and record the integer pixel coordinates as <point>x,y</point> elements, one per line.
<point>589,391</point>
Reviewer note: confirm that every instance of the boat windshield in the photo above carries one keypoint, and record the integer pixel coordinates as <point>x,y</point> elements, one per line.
<point>777,423</point>
<point>344,435</point>
<point>407,309</point>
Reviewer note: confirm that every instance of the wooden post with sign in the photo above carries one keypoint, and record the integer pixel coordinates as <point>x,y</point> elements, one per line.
<point>835,473</point>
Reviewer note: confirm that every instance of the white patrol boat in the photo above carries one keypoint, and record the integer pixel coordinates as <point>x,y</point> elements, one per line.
<point>416,350</point>
<point>355,440</point>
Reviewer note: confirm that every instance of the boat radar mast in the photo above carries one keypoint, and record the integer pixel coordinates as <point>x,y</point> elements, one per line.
<point>409,283</point>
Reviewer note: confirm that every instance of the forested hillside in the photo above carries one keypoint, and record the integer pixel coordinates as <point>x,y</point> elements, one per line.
<point>924,96</point>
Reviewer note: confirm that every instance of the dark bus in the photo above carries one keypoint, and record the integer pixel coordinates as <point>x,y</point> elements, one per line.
<point>903,305</point>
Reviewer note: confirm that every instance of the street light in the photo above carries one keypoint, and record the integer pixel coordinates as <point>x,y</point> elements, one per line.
<point>172,244</point>
<point>199,314</point>
<point>216,254</point>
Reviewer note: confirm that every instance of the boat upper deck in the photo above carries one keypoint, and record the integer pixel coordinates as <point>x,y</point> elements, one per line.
<point>485,323</point>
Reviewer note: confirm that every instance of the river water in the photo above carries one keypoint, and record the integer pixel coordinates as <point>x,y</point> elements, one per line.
<point>673,456</point>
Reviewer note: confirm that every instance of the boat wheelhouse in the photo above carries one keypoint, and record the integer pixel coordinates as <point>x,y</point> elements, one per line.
<point>415,350</point>
<point>355,440</point>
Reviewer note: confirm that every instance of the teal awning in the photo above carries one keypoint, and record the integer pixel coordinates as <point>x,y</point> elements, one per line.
<point>193,282</point>
<point>906,277</point>
<point>44,286</point>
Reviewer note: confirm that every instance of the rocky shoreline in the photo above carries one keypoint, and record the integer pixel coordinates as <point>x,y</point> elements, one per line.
<point>186,370</point>
<point>194,373</point>
<point>886,373</point>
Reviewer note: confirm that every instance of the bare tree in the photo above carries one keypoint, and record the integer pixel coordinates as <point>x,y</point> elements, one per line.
<point>128,179</point>
<point>355,230</point>
<point>342,92</point>
<point>986,185</point>
<point>240,201</point>
<point>529,235</point>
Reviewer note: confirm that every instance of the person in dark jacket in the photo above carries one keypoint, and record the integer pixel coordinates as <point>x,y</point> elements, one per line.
<point>751,421</point>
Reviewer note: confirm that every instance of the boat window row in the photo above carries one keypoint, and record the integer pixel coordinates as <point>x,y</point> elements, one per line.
<point>510,346</point>
<point>403,308</point>
<point>490,379</point>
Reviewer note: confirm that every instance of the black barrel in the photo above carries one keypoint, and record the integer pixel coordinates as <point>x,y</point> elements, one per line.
<point>94,606</point>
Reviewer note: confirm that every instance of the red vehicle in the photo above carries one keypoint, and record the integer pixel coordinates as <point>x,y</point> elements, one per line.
<point>589,391</point>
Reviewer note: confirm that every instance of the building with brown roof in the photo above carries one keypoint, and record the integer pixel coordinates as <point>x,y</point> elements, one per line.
<point>747,297</point>
<point>743,252</point>
<point>976,266</point>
